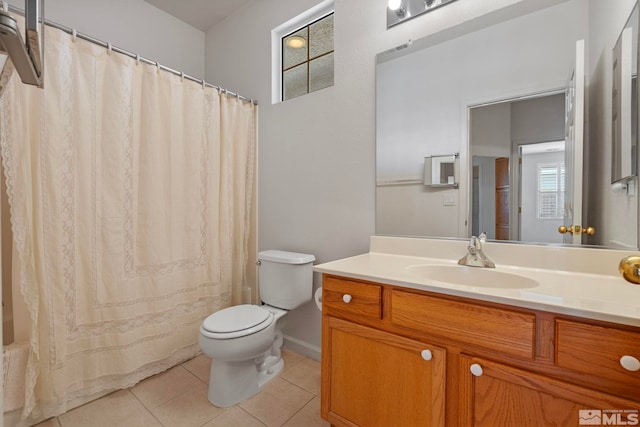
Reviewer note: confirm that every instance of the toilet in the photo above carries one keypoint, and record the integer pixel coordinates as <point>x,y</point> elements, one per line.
<point>244,341</point>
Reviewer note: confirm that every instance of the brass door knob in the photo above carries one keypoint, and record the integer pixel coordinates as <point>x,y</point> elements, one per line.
<point>577,230</point>
<point>563,229</point>
<point>630,269</point>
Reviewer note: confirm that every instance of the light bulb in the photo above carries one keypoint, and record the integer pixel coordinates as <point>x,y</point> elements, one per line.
<point>395,4</point>
<point>296,42</point>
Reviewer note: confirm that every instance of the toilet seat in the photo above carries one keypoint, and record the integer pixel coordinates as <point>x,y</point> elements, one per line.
<point>237,321</point>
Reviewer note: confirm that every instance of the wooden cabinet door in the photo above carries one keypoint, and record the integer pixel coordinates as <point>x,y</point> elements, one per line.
<point>373,378</point>
<point>498,395</point>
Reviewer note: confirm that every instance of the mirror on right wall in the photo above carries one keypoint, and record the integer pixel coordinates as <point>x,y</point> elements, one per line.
<point>526,98</point>
<point>624,103</point>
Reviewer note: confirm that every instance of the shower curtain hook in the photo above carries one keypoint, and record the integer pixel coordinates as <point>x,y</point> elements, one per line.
<point>158,66</point>
<point>137,59</point>
<point>109,48</point>
<point>5,6</point>
<point>74,35</point>
<point>238,96</point>
<point>182,76</point>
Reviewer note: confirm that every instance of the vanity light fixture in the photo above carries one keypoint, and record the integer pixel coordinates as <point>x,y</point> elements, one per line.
<point>296,42</point>
<point>398,8</point>
<point>401,10</point>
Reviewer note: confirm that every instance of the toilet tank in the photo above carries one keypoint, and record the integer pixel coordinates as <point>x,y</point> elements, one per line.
<point>286,278</point>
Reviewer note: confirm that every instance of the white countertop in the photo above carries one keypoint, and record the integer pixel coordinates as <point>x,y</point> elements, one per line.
<point>606,297</point>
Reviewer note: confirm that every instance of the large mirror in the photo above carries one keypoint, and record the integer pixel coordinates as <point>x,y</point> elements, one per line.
<point>527,104</point>
<point>624,101</point>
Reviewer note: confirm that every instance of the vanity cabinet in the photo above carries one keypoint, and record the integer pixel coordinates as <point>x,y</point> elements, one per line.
<point>372,377</point>
<point>380,379</point>
<point>494,394</point>
<point>398,356</point>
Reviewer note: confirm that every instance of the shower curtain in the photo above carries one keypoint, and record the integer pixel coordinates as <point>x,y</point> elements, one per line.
<point>130,192</point>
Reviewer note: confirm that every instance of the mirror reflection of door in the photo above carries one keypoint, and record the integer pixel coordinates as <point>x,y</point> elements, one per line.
<point>499,134</point>
<point>574,137</point>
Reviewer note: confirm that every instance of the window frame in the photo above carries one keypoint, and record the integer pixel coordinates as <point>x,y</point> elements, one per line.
<point>307,61</point>
<point>317,12</point>
<point>559,191</point>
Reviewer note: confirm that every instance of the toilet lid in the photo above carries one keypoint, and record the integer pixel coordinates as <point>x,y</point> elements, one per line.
<point>237,318</point>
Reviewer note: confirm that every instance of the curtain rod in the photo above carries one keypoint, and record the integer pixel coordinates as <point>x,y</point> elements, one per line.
<point>4,5</point>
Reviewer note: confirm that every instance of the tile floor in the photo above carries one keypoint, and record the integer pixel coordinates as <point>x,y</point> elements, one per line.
<point>178,398</point>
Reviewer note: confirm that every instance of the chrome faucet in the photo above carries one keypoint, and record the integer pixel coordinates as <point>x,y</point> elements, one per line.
<point>475,256</point>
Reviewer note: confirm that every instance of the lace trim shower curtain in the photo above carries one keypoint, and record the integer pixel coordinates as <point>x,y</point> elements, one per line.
<point>130,192</point>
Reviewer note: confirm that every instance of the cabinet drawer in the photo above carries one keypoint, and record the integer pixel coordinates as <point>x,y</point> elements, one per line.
<point>596,351</point>
<point>346,298</point>
<point>507,331</point>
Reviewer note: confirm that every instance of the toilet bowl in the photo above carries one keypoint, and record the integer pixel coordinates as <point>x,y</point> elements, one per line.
<point>244,342</point>
<point>244,357</point>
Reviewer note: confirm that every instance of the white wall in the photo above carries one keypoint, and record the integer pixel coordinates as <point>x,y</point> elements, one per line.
<point>133,25</point>
<point>416,210</point>
<point>490,130</point>
<point>538,120</point>
<point>615,216</point>
<point>317,152</point>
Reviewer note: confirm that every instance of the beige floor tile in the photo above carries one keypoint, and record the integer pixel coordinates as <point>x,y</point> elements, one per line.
<point>200,366</point>
<point>139,419</point>
<point>190,408</point>
<point>278,401</point>
<point>308,416</point>
<point>107,411</point>
<point>234,417</point>
<point>291,359</point>
<point>165,386</point>
<point>51,422</point>
<point>305,374</point>
<point>178,398</point>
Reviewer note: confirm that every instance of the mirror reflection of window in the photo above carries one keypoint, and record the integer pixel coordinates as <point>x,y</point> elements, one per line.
<point>551,191</point>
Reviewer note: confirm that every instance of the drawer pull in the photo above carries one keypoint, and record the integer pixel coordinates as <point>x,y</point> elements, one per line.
<point>426,354</point>
<point>346,298</point>
<point>476,369</point>
<point>630,363</point>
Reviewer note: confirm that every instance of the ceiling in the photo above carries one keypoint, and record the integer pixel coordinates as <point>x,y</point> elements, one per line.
<point>202,14</point>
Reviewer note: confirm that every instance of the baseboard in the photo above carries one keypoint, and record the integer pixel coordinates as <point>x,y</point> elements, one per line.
<point>302,347</point>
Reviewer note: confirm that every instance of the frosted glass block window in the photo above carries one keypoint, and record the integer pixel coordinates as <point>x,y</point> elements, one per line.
<point>307,58</point>
<point>551,191</point>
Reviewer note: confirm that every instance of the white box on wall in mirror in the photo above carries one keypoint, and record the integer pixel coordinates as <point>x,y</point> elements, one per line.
<point>442,171</point>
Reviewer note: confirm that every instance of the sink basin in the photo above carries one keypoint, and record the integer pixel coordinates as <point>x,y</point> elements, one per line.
<point>471,276</point>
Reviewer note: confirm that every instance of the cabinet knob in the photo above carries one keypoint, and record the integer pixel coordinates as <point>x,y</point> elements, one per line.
<point>476,369</point>
<point>630,363</point>
<point>346,298</point>
<point>426,354</point>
